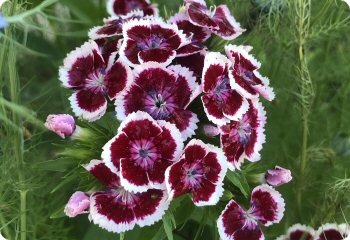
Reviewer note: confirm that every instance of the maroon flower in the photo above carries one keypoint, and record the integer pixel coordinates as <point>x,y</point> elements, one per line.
<point>142,150</point>
<point>332,231</point>
<point>278,176</point>
<point>266,207</point>
<point>221,102</point>
<point>244,138</point>
<point>200,172</point>
<point>124,7</point>
<point>245,76</point>
<point>220,22</point>
<point>196,34</point>
<point>150,40</point>
<point>118,210</point>
<point>162,92</point>
<point>299,232</point>
<point>92,79</point>
<point>113,26</point>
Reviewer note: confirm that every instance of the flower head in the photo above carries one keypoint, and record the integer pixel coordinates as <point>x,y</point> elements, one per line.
<point>86,72</point>
<point>61,124</point>
<point>150,40</point>
<point>278,176</point>
<point>162,92</point>
<point>124,7</point>
<point>142,150</point>
<point>332,231</point>
<point>200,171</point>
<point>221,102</point>
<point>244,75</point>
<point>244,138</point>
<point>118,210</point>
<point>78,203</point>
<point>299,232</point>
<point>266,207</point>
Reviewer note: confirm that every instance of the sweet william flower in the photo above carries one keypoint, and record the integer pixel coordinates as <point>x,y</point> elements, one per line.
<point>92,79</point>
<point>150,40</point>
<point>266,207</point>
<point>332,231</point>
<point>221,102</point>
<point>78,203</point>
<point>164,93</point>
<point>244,138</point>
<point>299,232</point>
<point>124,7</point>
<point>61,124</point>
<point>200,172</point>
<point>278,176</point>
<point>142,150</point>
<point>118,210</point>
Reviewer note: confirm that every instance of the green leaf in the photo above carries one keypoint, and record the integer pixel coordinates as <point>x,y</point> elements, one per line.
<point>59,213</point>
<point>168,226</point>
<point>239,180</point>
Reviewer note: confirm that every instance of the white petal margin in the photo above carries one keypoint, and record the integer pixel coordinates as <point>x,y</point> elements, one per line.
<point>300,227</point>
<point>233,23</point>
<point>110,9</point>
<point>158,214</point>
<point>220,156</point>
<point>265,90</point>
<point>92,164</point>
<point>218,121</point>
<point>80,52</point>
<point>347,2</point>
<point>242,110</point>
<point>277,197</point>
<point>148,22</point>
<point>86,115</point>
<point>242,50</point>
<point>221,228</point>
<point>106,154</point>
<point>130,187</point>
<point>135,116</point>
<point>261,138</point>
<point>192,127</point>
<point>93,31</point>
<point>104,222</point>
<point>343,229</point>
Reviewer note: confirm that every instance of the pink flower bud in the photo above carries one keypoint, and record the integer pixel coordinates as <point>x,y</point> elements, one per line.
<point>61,124</point>
<point>78,203</point>
<point>211,130</point>
<point>278,176</point>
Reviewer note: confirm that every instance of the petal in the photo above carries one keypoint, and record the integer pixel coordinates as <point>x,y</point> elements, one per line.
<point>108,49</point>
<point>299,232</point>
<point>116,149</point>
<point>186,122</point>
<point>234,151</point>
<point>117,78</point>
<point>99,169</point>
<point>113,25</point>
<point>233,224</point>
<point>213,110</point>
<point>332,231</point>
<point>235,106</point>
<point>199,15</point>
<point>140,125</point>
<point>194,62</point>
<point>133,177</point>
<point>229,28</point>
<point>80,64</point>
<point>88,104</point>
<point>162,56</point>
<point>266,205</point>
<point>124,7</point>
<point>189,49</point>
<point>118,210</point>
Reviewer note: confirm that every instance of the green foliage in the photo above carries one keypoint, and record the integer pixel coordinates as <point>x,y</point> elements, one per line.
<point>303,46</point>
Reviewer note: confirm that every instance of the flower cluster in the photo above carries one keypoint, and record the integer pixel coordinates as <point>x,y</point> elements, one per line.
<point>151,71</point>
<point>328,231</point>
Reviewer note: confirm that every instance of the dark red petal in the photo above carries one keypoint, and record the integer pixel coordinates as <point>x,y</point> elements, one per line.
<point>194,62</point>
<point>299,232</point>
<point>169,143</point>
<point>213,109</point>
<point>117,78</point>
<point>332,231</point>
<point>123,7</point>
<point>130,101</point>
<point>131,51</point>
<point>233,224</point>
<point>174,176</point>
<point>235,105</point>
<point>266,205</point>
<point>140,125</point>
<point>186,121</point>
<point>195,151</point>
<point>211,75</point>
<point>234,151</point>
<point>103,173</point>
<point>133,177</point>
<point>88,104</point>
<point>199,15</point>
<point>164,56</point>
<point>116,149</point>
<point>229,28</point>
<point>189,49</point>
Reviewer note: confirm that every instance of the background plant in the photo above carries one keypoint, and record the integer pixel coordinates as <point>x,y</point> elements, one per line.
<point>304,48</point>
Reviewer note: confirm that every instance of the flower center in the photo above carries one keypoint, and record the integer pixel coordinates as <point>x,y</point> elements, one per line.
<point>247,75</point>
<point>160,105</point>
<point>242,131</point>
<point>124,197</point>
<point>193,175</point>
<point>151,42</point>
<point>95,81</point>
<point>144,153</point>
<point>222,88</point>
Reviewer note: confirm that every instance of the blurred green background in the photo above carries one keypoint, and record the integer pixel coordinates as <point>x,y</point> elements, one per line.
<point>304,47</point>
